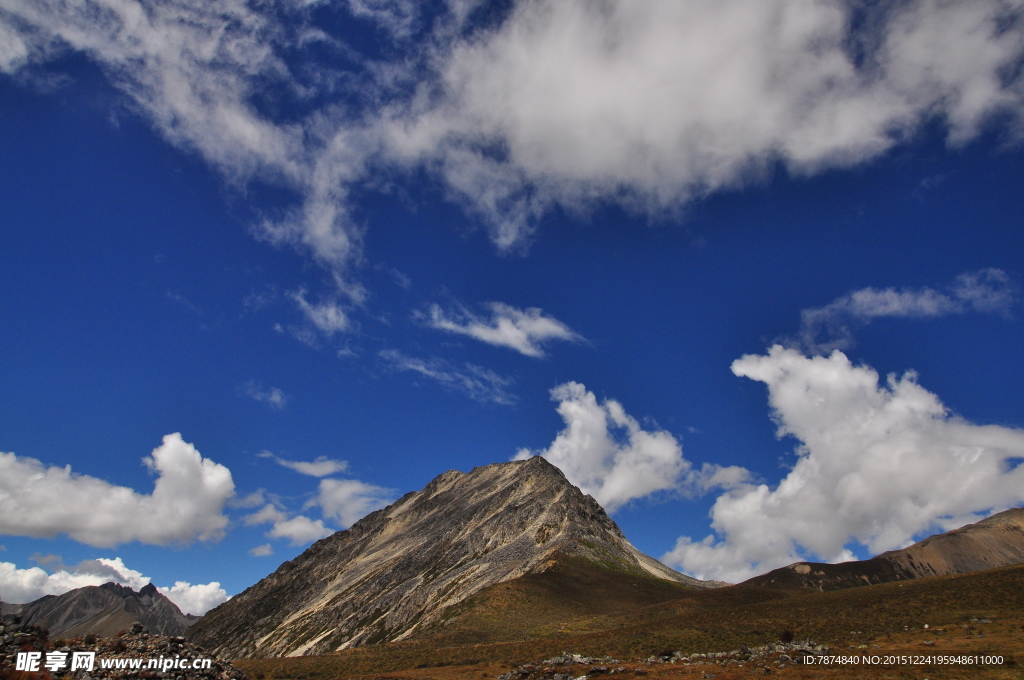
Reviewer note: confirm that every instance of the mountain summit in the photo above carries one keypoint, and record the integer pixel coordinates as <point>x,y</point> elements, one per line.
<point>398,569</point>
<point>103,610</point>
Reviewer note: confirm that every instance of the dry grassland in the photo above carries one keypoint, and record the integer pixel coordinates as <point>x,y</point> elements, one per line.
<point>596,613</point>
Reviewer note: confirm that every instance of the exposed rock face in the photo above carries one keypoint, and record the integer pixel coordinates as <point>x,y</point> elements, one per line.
<point>399,568</point>
<point>997,541</point>
<point>103,610</point>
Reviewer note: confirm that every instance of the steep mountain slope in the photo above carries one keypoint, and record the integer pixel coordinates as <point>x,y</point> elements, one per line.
<point>996,541</point>
<point>103,610</point>
<point>399,569</point>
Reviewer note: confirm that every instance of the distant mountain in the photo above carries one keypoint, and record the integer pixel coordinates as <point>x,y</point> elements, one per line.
<point>103,610</point>
<point>996,541</point>
<point>404,568</point>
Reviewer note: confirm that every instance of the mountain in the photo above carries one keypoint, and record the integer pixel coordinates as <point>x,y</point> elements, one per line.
<point>103,610</point>
<point>401,569</point>
<point>996,541</point>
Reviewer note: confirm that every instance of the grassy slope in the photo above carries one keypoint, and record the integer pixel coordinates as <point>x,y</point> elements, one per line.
<point>594,612</point>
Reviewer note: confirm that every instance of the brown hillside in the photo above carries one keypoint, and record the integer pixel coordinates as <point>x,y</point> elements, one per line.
<point>996,541</point>
<point>966,613</point>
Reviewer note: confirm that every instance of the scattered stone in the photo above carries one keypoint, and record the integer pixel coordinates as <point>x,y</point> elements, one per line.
<point>136,643</point>
<point>781,653</point>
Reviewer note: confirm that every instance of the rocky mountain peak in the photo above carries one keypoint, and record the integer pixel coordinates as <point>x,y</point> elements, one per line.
<point>148,590</point>
<point>103,610</point>
<point>398,569</point>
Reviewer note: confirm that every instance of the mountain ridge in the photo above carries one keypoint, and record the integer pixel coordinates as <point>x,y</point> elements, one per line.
<point>995,541</point>
<point>398,569</point>
<point>103,610</point>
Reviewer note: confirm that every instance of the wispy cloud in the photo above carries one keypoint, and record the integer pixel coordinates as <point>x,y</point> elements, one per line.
<point>322,466</point>
<point>262,550</point>
<point>479,384</point>
<point>327,316</point>
<point>401,279</point>
<point>522,330</point>
<point>184,302</point>
<point>348,500</point>
<point>249,501</point>
<point>186,503</point>
<point>566,103</point>
<point>823,329</point>
<point>298,529</point>
<point>272,397</point>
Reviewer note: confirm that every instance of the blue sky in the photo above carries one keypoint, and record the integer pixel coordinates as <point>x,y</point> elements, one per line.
<point>399,241</point>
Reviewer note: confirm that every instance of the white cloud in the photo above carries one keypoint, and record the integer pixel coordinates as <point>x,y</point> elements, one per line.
<point>522,330</point>
<point>272,397</point>
<point>252,500</point>
<point>476,382</point>
<point>262,550</point>
<point>18,586</point>
<point>653,104</point>
<point>566,103</point>
<point>24,585</point>
<point>400,278</point>
<point>320,467</point>
<point>188,496</point>
<point>342,500</point>
<point>608,455</point>
<point>831,327</point>
<point>326,316</point>
<point>877,464</point>
<point>195,599</point>
<point>298,529</point>
<point>349,500</point>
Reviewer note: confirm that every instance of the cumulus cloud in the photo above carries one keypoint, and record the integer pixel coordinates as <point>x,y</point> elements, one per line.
<point>18,586</point>
<point>272,397</point>
<point>348,500</point>
<point>522,330</point>
<point>24,585</point>
<point>262,550</point>
<point>298,529</point>
<point>322,466</point>
<point>606,453</point>
<point>831,327</point>
<point>195,599</point>
<point>565,103</point>
<point>877,464</point>
<point>186,504</point>
<point>476,382</point>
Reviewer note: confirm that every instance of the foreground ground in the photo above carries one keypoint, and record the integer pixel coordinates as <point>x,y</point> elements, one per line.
<point>531,620</point>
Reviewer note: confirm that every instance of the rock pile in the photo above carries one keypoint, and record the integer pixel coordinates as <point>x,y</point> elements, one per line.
<point>568,666</point>
<point>780,653</point>
<point>549,669</point>
<point>15,638</point>
<point>133,644</point>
